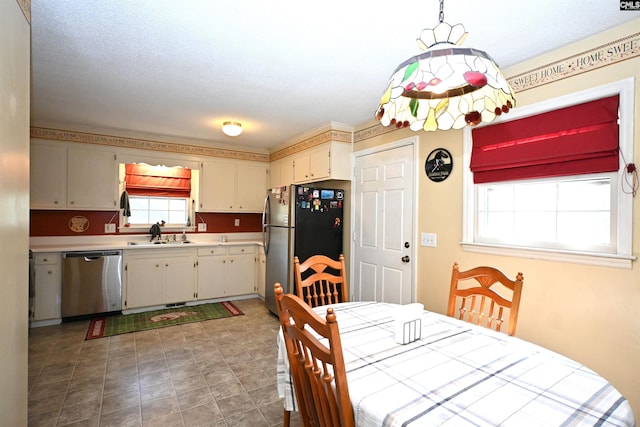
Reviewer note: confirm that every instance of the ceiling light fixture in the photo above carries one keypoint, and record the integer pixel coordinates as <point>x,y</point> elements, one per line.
<point>232,128</point>
<point>446,87</point>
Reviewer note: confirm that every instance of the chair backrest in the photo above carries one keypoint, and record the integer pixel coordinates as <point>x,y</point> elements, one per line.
<point>485,300</point>
<point>318,371</point>
<point>320,286</point>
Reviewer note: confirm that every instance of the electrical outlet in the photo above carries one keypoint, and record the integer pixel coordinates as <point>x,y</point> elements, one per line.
<point>236,223</point>
<point>428,239</point>
<point>202,226</point>
<point>109,228</point>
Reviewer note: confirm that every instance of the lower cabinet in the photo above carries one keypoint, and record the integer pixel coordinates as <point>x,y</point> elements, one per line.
<point>225,271</point>
<point>155,277</point>
<point>48,279</point>
<point>159,277</point>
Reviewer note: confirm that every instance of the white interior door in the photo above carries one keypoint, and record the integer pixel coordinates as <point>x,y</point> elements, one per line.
<point>383,224</point>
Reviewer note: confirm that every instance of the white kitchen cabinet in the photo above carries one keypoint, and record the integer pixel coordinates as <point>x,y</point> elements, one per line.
<point>159,277</point>
<point>261,273</point>
<point>281,172</point>
<point>212,263</point>
<point>69,177</point>
<point>48,284</point>
<point>142,279</point>
<point>48,172</point>
<point>91,179</point>
<point>232,186</point>
<point>251,187</point>
<point>301,163</point>
<point>225,271</point>
<point>241,276</point>
<point>327,161</point>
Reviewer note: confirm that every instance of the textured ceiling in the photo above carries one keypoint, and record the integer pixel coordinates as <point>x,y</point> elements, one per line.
<point>176,69</point>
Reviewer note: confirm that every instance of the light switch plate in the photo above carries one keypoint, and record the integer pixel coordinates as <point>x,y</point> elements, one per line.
<point>428,239</point>
<point>109,228</point>
<point>202,226</point>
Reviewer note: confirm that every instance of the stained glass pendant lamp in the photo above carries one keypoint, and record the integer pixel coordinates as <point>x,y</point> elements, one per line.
<point>446,87</point>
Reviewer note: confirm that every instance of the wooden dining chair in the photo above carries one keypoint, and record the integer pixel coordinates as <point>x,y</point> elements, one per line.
<point>485,298</point>
<point>324,281</point>
<point>318,370</point>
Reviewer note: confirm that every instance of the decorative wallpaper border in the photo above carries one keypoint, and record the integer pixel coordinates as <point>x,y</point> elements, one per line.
<point>598,57</point>
<point>144,144</point>
<point>25,5</point>
<point>327,136</point>
<point>372,132</point>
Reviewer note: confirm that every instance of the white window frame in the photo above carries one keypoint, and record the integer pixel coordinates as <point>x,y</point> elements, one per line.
<point>624,257</point>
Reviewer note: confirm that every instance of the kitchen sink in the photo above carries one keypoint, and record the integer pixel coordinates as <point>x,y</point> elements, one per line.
<point>160,242</point>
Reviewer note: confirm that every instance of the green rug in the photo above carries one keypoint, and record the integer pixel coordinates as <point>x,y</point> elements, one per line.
<point>125,323</point>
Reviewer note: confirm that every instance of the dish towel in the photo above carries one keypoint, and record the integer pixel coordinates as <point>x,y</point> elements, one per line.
<point>124,203</point>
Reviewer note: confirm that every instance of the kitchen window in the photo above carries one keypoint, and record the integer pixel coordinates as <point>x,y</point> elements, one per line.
<point>579,212</point>
<point>146,210</point>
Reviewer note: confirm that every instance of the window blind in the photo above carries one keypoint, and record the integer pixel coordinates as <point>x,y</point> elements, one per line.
<point>574,140</point>
<point>146,180</point>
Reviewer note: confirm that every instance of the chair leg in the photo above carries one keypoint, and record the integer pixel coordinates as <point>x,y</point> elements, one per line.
<point>286,418</point>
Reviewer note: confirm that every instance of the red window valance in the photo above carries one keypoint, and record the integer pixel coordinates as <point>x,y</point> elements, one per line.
<point>145,180</point>
<point>570,141</point>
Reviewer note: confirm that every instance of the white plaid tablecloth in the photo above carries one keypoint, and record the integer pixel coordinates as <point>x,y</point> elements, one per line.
<point>459,374</point>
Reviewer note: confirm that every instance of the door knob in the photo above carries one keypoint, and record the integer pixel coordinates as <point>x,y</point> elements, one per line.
<point>406,258</point>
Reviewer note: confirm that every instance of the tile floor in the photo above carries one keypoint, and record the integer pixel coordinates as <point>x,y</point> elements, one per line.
<point>215,373</point>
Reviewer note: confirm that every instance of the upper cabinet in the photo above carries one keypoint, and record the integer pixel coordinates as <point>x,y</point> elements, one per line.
<point>66,177</point>
<point>91,179</point>
<point>228,186</point>
<point>281,172</point>
<point>48,176</point>
<point>330,160</point>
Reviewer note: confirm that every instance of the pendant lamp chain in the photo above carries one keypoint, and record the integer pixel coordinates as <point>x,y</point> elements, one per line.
<point>441,11</point>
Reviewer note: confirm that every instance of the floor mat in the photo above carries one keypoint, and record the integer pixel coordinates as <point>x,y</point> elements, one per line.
<point>122,324</point>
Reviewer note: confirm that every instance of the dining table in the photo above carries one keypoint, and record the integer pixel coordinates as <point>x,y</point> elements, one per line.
<point>458,374</point>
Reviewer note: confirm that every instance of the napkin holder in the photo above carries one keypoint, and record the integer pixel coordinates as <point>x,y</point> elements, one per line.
<point>408,323</point>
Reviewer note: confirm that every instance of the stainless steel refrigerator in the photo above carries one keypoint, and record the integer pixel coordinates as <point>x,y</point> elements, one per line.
<point>298,221</point>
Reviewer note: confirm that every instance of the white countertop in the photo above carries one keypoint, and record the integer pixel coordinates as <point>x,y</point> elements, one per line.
<point>101,243</point>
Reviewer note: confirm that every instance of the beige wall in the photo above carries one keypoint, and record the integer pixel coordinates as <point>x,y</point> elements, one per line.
<point>14,211</point>
<point>584,312</point>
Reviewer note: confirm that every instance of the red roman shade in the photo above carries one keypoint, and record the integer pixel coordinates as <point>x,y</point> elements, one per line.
<point>571,141</point>
<point>145,180</point>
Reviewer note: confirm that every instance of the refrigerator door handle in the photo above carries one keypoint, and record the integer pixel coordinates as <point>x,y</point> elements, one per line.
<point>265,218</point>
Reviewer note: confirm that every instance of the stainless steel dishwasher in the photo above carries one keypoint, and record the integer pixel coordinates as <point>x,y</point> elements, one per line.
<point>91,282</point>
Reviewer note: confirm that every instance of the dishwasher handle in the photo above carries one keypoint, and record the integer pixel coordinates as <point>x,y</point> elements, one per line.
<point>90,254</point>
